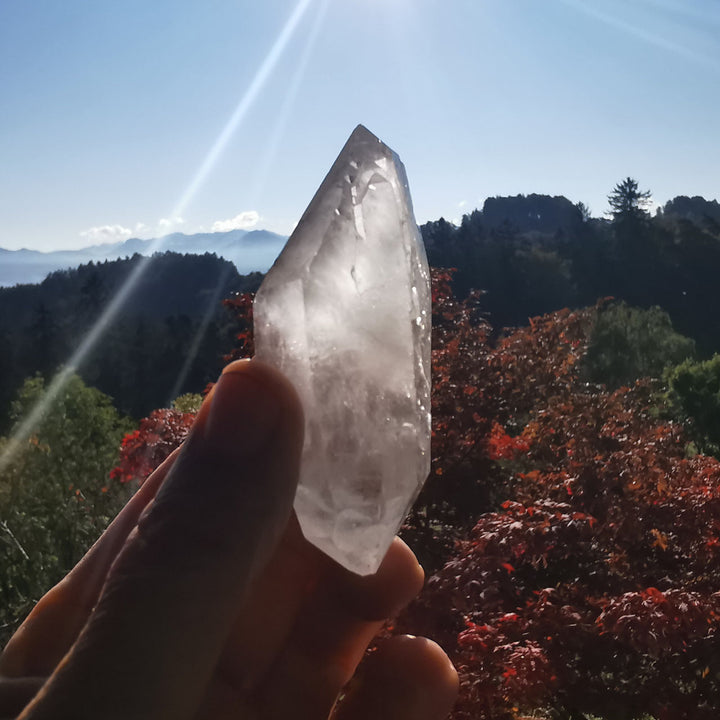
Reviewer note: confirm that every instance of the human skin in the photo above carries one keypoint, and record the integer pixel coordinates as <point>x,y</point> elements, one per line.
<point>203,600</point>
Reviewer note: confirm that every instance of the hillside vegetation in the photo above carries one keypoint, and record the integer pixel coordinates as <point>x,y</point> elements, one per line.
<point>570,526</point>
<point>535,254</point>
<point>141,359</point>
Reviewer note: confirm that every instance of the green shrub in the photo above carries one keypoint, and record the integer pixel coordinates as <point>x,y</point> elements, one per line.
<point>188,403</point>
<point>694,396</point>
<point>628,343</point>
<point>55,496</point>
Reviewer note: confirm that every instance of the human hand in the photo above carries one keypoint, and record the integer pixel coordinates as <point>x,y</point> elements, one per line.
<point>203,600</point>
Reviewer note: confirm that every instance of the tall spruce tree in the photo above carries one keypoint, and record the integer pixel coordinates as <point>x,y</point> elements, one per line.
<point>628,202</point>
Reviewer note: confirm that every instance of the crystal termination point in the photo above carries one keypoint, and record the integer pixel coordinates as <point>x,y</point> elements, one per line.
<point>345,314</point>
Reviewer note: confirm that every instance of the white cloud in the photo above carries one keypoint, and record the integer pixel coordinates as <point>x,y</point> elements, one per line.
<point>106,234</point>
<point>462,203</point>
<point>164,224</point>
<point>244,221</point>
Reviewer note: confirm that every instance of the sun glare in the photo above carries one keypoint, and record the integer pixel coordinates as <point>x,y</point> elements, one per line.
<point>261,178</point>
<point>260,79</point>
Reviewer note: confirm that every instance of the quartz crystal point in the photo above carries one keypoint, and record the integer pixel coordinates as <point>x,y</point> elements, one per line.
<point>345,314</point>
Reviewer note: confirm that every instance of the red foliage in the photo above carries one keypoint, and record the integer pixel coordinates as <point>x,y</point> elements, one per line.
<point>655,623</point>
<point>240,307</point>
<point>500,446</point>
<point>484,392</point>
<point>145,448</point>
<point>595,588</point>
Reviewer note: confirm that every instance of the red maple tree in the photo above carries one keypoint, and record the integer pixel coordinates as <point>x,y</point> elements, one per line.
<point>145,448</point>
<point>593,587</point>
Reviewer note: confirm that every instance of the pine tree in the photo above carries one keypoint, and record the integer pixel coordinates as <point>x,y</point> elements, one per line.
<point>628,202</point>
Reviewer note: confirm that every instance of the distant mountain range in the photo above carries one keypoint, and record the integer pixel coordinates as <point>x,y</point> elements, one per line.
<point>250,251</point>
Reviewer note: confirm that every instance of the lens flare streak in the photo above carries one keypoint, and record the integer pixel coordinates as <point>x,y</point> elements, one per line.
<point>261,179</point>
<point>652,38</point>
<point>288,102</point>
<point>27,426</point>
<point>251,94</point>
<point>199,335</point>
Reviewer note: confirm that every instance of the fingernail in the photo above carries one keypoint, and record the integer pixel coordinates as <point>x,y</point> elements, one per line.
<point>244,411</point>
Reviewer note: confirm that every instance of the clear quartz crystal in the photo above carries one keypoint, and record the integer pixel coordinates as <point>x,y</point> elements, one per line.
<point>345,313</point>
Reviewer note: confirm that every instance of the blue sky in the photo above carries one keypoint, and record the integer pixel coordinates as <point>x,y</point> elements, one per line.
<point>111,112</point>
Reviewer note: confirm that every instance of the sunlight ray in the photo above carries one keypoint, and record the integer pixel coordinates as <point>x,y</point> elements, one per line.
<point>643,34</point>
<point>194,348</point>
<point>251,94</point>
<point>263,173</point>
<point>686,10</point>
<point>27,425</point>
<point>285,109</point>
<point>34,417</point>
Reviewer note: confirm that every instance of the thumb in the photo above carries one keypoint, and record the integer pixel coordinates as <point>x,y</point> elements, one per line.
<point>171,597</point>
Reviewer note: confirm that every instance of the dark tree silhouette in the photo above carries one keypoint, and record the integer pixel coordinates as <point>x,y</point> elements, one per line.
<point>628,202</point>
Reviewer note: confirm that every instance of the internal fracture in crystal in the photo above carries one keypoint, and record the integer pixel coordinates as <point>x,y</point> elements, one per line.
<point>345,313</point>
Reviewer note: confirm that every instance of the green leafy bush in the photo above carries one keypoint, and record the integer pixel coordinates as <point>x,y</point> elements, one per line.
<point>628,343</point>
<point>188,403</point>
<point>55,497</point>
<point>694,396</point>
